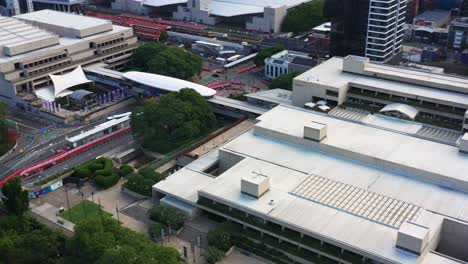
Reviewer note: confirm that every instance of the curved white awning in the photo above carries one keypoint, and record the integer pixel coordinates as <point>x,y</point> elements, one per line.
<point>167,83</point>
<point>406,110</point>
<point>62,83</point>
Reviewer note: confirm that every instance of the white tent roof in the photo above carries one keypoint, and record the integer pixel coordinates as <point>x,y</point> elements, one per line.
<point>407,110</point>
<point>62,83</point>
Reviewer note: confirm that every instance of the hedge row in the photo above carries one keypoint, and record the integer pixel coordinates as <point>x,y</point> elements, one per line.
<point>102,170</point>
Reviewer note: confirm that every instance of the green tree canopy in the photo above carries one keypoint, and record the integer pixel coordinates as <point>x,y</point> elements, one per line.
<point>164,60</point>
<point>176,119</point>
<point>259,60</point>
<point>284,81</point>
<point>304,17</point>
<point>16,199</point>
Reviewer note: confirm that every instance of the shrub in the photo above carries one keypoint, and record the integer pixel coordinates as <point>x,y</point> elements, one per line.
<point>96,165</point>
<point>125,170</point>
<point>155,230</point>
<point>106,181</point>
<point>82,172</point>
<point>108,168</point>
<point>213,255</point>
<point>149,173</point>
<point>142,181</point>
<point>168,216</point>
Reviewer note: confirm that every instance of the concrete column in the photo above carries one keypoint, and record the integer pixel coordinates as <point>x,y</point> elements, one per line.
<point>302,235</point>
<point>283,228</point>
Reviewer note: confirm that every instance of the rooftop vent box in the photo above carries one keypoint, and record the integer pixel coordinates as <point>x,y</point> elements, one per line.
<point>412,238</point>
<point>464,143</point>
<point>255,185</point>
<point>315,131</point>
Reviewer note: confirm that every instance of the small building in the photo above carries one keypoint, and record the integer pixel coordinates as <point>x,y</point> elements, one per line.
<point>458,33</point>
<point>432,19</point>
<point>287,61</point>
<point>319,39</point>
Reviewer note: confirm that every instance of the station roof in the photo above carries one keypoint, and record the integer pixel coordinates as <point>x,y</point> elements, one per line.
<point>166,83</point>
<point>97,129</point>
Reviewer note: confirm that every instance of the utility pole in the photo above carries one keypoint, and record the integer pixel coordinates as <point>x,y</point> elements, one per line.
<point>68,202</point>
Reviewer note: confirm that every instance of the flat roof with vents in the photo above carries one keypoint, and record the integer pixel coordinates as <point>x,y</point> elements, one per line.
<point>356,188</point>
<point>17,37</point>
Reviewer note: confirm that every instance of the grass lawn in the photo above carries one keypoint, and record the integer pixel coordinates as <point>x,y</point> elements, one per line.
<point>84,210</point>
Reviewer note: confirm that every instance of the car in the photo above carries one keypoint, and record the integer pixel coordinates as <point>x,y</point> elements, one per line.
<point>215,75</point>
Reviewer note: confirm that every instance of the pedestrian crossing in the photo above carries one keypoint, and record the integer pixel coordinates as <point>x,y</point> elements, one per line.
<point>349,113</point>
<point>440,134</point>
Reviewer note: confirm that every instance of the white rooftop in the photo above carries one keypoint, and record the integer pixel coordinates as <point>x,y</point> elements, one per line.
<point>167,83</point>
<point>17,37</point>
<point>395,79</point>
<point>66,24</point>
<point>339,163</point>
<point>229,8</point>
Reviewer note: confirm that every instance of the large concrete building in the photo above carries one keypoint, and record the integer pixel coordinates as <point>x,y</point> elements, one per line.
<point>38,45</point>
<point>263,16</point>
<point>325,190</point>
<point>355,81</point>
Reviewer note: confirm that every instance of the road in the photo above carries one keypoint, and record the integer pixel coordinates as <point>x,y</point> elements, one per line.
<point>28,127</point>
<point>81,158</point>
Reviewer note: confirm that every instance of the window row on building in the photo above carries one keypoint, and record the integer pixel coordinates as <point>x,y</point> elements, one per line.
<point>283,237</point>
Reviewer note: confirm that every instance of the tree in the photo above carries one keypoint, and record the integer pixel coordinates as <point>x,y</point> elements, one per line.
<point>163,36</point>
<point>304,17</point>
<point>16,199</point>
<point>177,119</point>
<point>174,62</point>
<point>284,81</point>
<point>259,60</point>
<point>168,216</point>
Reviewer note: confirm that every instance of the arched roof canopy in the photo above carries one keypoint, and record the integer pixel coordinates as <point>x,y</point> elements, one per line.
<point>166,83</point>
<point>403,109</point>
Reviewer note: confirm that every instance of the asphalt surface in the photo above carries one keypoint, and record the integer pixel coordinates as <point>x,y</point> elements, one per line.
<point>81,158</point>
<point>28,127</point>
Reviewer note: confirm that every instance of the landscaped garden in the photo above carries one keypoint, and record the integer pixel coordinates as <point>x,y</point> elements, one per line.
<point>83,211</point>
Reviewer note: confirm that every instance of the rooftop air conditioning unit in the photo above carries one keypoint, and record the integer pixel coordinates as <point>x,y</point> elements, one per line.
<point>255,185</point>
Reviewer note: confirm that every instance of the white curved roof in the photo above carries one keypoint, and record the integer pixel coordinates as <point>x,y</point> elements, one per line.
<point>167,83</point>
<point>407,110</point>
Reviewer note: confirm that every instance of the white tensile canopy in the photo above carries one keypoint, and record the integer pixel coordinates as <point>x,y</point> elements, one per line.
<point>62,83</point>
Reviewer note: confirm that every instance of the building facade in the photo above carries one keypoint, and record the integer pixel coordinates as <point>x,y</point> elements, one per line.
<point>375,29</point>
<point>355,81</point>
<point>287,61</point>
<point>458,34</point>
<point>55,43</point>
